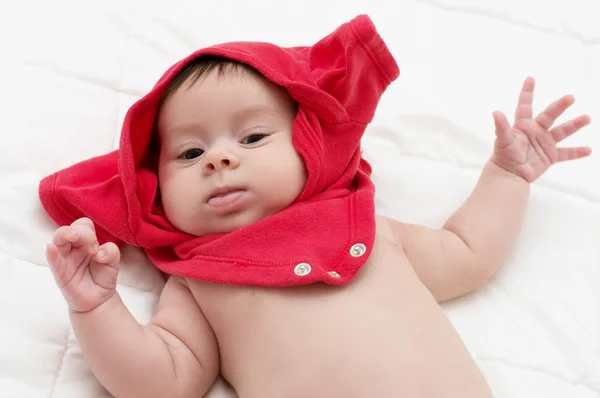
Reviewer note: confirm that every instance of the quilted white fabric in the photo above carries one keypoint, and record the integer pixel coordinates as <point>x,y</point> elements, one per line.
<point>70,69</point>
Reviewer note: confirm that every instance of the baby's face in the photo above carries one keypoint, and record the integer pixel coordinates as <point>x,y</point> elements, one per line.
<point>226,154</point>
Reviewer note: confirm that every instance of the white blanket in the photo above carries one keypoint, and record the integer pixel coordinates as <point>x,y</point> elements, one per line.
<point>69,70</point>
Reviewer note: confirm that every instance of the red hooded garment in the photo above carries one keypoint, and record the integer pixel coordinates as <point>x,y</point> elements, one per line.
<point>326,235</point>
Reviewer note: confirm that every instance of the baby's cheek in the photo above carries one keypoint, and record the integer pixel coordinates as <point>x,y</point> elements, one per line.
<point>292,175</point>
<point>175,197</point>
<point>299,169</point>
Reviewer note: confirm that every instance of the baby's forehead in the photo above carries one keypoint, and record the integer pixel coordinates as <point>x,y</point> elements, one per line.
<point>182,116</point>
<point>198,69</point>
<point>251,93</point>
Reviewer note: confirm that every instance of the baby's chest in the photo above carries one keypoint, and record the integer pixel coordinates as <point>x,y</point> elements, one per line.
<point>384,311</point>
<point>385,283</point>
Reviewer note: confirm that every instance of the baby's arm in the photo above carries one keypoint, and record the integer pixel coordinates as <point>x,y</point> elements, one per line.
<point>475,240</point>
<point>473,243</point>
<point>176,355</point>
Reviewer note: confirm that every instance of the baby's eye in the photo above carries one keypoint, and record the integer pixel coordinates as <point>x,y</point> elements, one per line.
<point>191,154</point>
<point>252,138</point>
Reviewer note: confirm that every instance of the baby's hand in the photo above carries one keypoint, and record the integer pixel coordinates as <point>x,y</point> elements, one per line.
<point>85,272</point>
<point>528,148</point>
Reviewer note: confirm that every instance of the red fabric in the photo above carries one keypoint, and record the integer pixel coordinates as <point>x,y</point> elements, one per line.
<point>338,83</point>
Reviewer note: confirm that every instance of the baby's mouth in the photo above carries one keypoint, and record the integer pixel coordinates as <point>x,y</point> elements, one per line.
<point>225,197</point>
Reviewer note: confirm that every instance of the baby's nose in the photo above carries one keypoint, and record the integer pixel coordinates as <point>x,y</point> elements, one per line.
<point>219,159</point>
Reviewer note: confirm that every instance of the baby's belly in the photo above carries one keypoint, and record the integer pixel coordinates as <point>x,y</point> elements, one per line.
<point>383,335</point>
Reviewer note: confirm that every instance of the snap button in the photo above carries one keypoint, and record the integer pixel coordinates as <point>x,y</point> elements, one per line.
<point>302,269</point>
<point>334,274</point>
<point>358,250</point>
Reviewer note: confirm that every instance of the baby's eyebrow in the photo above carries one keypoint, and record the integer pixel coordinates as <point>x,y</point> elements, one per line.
<point>239,116</point>
<point>255,110</point>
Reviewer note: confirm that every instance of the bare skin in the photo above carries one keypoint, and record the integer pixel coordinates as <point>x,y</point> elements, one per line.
<point>382,335</point>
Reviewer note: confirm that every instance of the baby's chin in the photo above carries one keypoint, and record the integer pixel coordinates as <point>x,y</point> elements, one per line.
<point>224,224</point>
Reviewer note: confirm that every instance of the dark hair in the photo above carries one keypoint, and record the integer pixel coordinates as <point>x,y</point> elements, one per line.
<point>202,66</point>
<point>196,70</point>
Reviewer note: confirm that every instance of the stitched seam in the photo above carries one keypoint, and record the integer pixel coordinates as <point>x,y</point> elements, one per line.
<point>56,199</point>
<point>369,52</point>
<point>242,263</point>
<point>342,255</point>
<point>315,143</point>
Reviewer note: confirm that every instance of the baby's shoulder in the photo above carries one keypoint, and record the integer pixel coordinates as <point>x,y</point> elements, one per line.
<point>384,228</point>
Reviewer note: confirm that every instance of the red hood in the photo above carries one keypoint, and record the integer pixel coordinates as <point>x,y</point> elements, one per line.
<point>337,83</point>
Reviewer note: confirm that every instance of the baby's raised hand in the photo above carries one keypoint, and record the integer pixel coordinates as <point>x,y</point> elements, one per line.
<point>528,148</point>
<point>85,272</point>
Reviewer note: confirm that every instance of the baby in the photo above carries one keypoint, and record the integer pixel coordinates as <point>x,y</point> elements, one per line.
<point>227,146</point>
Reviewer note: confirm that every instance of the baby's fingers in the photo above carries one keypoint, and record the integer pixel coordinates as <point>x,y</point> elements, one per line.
<point>57,263</point>
<point>85,236</point>
<point>524,107</point>
<point>104,267</point>
<point>566,129</point>
<point>566,154</point>
<point>52,255</point>
<point>547,118</point>
<point>84,222</point>
<point>503,134</point>
<point>108,254</point>
<point>63,238</point>
<point>78,234</point>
